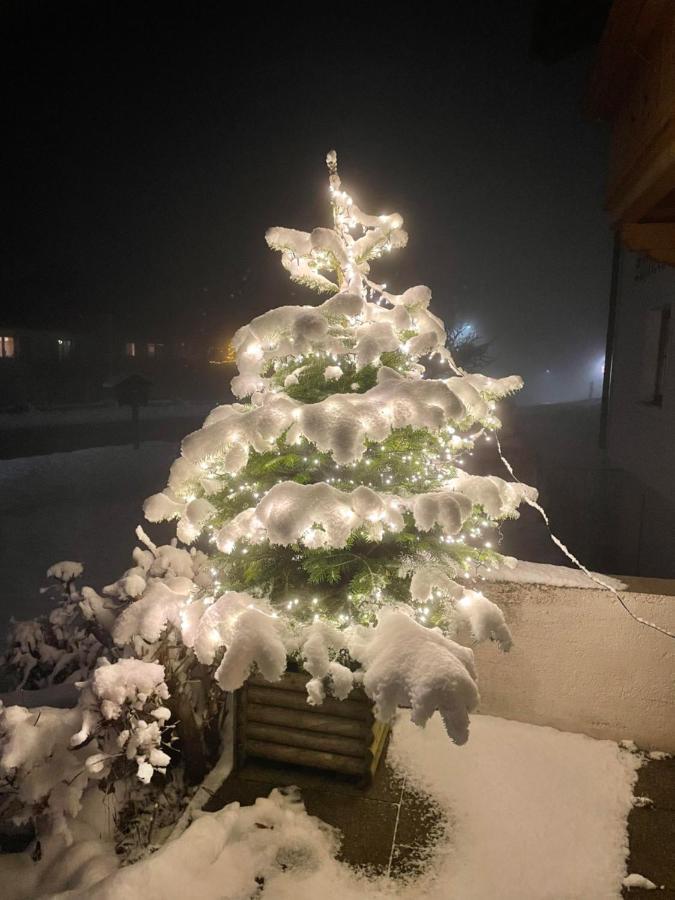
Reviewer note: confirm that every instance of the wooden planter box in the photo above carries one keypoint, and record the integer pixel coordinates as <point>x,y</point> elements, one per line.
<point>274,721</point>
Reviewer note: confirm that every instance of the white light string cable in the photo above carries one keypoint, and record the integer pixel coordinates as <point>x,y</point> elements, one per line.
<point>572,557</point>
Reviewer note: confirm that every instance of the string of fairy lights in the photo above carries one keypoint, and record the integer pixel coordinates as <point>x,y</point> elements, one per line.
<point>436,458</point>
<point>414,474</point>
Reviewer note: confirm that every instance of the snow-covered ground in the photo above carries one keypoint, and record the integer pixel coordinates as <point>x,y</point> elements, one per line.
<point>101,412</point>
<point>82,506</point>
<point>534,813</point>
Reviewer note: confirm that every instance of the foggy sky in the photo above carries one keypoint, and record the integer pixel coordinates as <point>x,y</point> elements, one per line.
<point>150,151</point>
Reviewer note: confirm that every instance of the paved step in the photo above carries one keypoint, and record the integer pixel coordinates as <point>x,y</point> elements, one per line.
<point>387,828</point>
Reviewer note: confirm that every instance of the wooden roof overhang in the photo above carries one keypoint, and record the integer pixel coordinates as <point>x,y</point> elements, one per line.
<point>632,86</point>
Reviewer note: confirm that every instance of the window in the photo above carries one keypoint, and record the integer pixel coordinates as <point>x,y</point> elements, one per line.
<point>64,346</point>
<point>155,349</point>
<point>7,347</point>
<point>655,354</point>
<point>131,348</point>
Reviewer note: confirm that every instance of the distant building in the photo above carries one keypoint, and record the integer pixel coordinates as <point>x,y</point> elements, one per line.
<point>60,367</point>
<point>32,361</point>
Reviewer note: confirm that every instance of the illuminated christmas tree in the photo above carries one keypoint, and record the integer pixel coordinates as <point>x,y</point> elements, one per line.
<point>336,489</point>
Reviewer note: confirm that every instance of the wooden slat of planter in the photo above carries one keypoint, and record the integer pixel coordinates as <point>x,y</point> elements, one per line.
<point>297,681</point>
<point>290,681</point>
<point>314,740</point>
<point>345,709</point>
<point>300,756</point>
<point>308,721</point>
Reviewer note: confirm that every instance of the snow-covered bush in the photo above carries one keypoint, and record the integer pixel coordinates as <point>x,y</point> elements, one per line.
<point>156,590</point>
<point>58,647</point>
<point>48,756</point>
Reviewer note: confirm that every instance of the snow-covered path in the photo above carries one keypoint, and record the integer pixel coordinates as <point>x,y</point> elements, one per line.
<point>82,505</point>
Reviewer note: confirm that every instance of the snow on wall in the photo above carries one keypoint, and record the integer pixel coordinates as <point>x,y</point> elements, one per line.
<point>521,572</point>
<point>580,663</point>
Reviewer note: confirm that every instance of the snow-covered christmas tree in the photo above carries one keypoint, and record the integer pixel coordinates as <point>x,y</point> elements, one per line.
<point>335,495</point>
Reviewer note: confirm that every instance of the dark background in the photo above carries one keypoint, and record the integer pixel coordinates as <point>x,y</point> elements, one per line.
<point>147,151</point>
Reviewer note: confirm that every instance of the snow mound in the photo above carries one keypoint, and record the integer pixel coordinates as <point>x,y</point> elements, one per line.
<point>638,881</point>
<point>410,665</point>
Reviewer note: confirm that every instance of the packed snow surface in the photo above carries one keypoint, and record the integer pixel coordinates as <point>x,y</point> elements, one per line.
<point>534,813</point>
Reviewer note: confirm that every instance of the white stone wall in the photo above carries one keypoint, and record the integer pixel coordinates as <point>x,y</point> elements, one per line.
<point>580,663</point>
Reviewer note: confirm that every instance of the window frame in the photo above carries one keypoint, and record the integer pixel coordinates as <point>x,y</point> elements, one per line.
<point>6,339</point>
<point>656,340</point>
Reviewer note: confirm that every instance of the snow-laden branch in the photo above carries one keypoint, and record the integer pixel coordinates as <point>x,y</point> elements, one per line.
<point>308,255</point>
<point>407,664</point>
<point>340,425</point>
<point>251,635</point>
<point>320,515</point>
<point>345,325</point>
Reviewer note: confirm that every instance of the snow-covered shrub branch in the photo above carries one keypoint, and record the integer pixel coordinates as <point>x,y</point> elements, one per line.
<point>407,664</point>
<point>48,757</point>
<point>61,646</point>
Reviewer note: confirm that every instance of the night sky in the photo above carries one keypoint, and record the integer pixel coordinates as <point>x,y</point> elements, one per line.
<point>148,151</point>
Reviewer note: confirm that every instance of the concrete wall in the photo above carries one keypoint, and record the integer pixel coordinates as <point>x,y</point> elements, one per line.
<point>580,663</point>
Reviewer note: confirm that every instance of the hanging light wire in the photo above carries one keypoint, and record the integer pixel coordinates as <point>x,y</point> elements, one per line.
<point>568,553</point>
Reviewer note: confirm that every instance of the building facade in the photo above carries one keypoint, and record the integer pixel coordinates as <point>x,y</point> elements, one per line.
<point>632,87</point>
<point>640,421</point>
